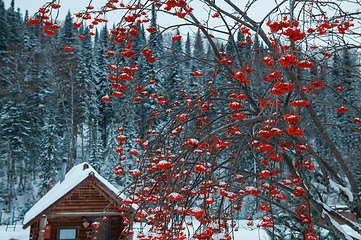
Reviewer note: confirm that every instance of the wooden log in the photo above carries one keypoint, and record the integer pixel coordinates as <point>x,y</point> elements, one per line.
<point>75,214</point>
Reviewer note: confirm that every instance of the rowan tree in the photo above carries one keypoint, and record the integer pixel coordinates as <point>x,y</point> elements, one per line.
<point>247,123</point>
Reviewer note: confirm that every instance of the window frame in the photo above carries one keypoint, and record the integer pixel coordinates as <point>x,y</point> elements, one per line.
<point>68,227</point>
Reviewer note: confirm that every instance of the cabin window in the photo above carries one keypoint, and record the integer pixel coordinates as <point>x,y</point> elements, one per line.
<point>67,233</point>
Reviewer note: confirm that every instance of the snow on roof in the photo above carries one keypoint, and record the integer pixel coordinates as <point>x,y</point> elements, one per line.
<point>75,176</point>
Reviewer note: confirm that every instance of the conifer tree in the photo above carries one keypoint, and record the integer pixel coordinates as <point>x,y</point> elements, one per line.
<point>348,81</point>
<point>96,147</point>
<point>156,43</point>
<point>15,110</point>
<point>139,40</point>
<point>150,70</point>
<point>49,156</point>
<point>3,26</point>
<point>230,48</point>
<point>67,29</point>
<point>110,157</point>
<point>156,46</point>
<point>85,91</point>
<point>198,53</point>
<point>188,52</point>
<point>14,132</point>
<point>29,40</point>
<point>176,71</point>
<point>66,74</point>
<point>13,25</point>
<point>100,81</point>
<point>243,47</point>
<point>198,50</point>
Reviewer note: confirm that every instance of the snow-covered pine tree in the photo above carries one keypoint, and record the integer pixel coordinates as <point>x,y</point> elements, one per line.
<point>15,132</point>
<point>100,81</point>
<point>3,27</point>
<point>84,92</point>
<point>65,72</point>
<point>50,155</point>
<point>175,78</point>
<point>110,157</point>
<point>13,25</point>
<point>198,49</point>
<point>188,52</point>
<point>96,159</point>
<point>67,30</point>
<point>243,47</point>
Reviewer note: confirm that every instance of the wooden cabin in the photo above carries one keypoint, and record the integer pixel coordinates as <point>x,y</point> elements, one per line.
<point>73,206</point>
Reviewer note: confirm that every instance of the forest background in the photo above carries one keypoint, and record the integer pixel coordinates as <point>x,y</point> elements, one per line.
<point>51,105</point>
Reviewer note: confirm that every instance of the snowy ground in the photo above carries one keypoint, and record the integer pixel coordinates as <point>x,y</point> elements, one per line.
<point>18,234</point>
<point>244,232</point>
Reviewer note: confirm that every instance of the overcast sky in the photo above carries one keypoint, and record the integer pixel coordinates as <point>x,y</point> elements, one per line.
<point>258,10</point>
<point>73,5</point>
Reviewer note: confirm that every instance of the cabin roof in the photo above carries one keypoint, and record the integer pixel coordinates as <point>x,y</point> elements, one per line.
<point>76,177</point>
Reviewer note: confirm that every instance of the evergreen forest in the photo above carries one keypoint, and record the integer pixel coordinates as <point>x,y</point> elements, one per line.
<point>52,101</point>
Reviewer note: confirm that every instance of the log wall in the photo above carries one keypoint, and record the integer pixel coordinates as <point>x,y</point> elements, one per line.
<point>88,198</point>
